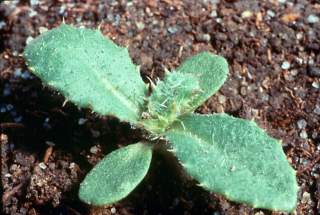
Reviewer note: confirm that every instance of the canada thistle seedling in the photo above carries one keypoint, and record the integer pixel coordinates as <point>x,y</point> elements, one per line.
<point>226,155</point>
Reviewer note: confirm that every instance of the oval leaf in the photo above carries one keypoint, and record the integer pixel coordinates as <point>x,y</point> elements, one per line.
<point>89,70</point>
<point>235,158</point>
<point>211,71</point>
<point>114,177</point>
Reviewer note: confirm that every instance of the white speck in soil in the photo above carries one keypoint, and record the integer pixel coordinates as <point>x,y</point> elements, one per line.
<point>252,34</point>
<point>17,73</point>
<point>222,99</point>
<point>42,165</point>
<point>25,75</point>
<point>294,72</point>
<point>246,14</point>
<point>285,65</point>
<point>34,2</point>
<point>140,25</point>
<point>299,60</point>
<point>29,39</point>
<point>79,19</point>
<point>314,134</point>
<point>172,30</point>
<point>270,13</point>
<point>313,19</point>
<point>46,123</point>
<point>215,1</point>
<point>12,3</point>
<point>72,165</point>
<point>306,198</point>
<point>13,167</point>
<point>42,29</point>
<point>50,143</point>
<point>82,121</point>
<point>113,210</point>
<point>311,61</point>
<point>62,9</point>
<point>213,14</point>
<point>110,17</point>
<point>94,149</point>
<point>32,13</point>
<point>116,20</point>
<point>299,36</point>
<point>303,134</point>
<point>317,110</point>
<point>9,107</point>
<point>8,175</point>
<point>315,85</point>
<point>243,91</point>
<point>302,123</point>
<point>203,37</point>
<point>2,24</point>
<point>220,109</point>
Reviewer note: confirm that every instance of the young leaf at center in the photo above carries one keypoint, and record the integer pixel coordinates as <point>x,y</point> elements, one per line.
<point>116,175</point>
<point>211,71</point>
<point>183,90</point>
<point>169,99</point>
<point>235,158</point>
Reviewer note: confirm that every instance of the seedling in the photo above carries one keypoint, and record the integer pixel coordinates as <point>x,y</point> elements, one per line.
<point>226,155</point>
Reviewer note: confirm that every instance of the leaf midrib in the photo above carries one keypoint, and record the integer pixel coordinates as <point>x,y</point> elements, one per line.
<point>121,96</point>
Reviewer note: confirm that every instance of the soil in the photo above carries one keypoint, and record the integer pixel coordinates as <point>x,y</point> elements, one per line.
<point>48,145</point>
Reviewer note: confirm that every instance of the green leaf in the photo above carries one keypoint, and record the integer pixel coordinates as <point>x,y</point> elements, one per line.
<point>89,70</point>
<point>116,175</point>
<point>211,71</point>
<point>170,99</point>
<point>235,158</point>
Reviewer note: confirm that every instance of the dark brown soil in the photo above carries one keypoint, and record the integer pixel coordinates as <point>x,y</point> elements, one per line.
<point>47,146</point>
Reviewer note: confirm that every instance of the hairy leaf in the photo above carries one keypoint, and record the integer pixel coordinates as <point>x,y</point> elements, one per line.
<point>211,71</point>
<point>116,175</point>
<point>170,99</point>
<point>235,158</point>
<point>89,70</point>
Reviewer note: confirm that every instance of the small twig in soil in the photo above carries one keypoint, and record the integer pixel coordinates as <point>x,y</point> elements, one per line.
<point>6,125</point>
<point>269,54</point>
<point>47,154</point>
<point>4,157</point>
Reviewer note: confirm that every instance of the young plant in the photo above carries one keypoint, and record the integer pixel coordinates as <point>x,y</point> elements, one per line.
<point>226,155</point>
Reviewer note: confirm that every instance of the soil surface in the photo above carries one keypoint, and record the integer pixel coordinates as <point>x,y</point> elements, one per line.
<point>48,145</point>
